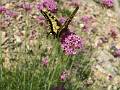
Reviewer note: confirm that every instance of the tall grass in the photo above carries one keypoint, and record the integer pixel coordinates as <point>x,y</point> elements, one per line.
<point>32,75</point>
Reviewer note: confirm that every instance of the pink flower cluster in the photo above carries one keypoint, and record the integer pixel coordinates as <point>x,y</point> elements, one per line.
<point>108,3</point>
<point>7,12</point>
<point>51,5</point>
<point>11,13</point>
<point>85,20</point>
<point>45,61</point>
<point>2,9</point>
<point>26,6</point>
<point>70,43</point>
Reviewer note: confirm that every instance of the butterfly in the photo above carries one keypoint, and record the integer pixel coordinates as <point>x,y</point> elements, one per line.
<point>56,27</point>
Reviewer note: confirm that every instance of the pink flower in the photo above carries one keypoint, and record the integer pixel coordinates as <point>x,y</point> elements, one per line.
<point>86,21</point>
<point>108,3</point>
<point>40,19</point>
<point>2,9</point>
<point>75,2</point>
<point>40,6</point>
<point>64,76</point>
<point>11,13</point>
<point>45,61</point>
<point>25,5</point>
<point>51,5</point>
<point>71,43</point>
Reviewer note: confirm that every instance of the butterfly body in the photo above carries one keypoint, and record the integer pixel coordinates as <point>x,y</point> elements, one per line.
<point>56,27</point>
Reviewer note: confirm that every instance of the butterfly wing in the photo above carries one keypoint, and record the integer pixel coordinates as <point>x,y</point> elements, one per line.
<point>67,22</point>
<point>56,27</point>
<point>54,24</point>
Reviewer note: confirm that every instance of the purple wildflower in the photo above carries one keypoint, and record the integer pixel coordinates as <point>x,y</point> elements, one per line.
<point>64,76</point>
<point>45,61</point>
<point>85,20</point>
<point>75,2</point>
<point>11,13</point>
<point>62,20</point>
<point>117,53</point>
<point>70,43</point>
<point>40,6</point>
<point>27,6</point>
<point>40,19</point>
<point>2,9</point>
<point>108,3</point>
<point>51,5</point>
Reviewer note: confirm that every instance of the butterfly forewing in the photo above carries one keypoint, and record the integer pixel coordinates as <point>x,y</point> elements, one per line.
<point>47,18</point>
<point>54,24</point>
<point>67,22</point>
<point>64,28</point>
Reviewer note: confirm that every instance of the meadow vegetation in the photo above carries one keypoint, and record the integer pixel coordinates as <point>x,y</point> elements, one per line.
<point>87,57</point>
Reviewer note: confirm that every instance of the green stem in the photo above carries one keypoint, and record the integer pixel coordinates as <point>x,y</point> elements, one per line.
<point>26,30</point>
<point>0,44</point>
<point>51,77</point>
<point>1,69</point>
<point>71,64</point>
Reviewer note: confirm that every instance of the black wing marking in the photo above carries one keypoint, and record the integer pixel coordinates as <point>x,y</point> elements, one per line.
<point>47,18</point>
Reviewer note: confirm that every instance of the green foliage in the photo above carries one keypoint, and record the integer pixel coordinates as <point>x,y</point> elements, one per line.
<point>65,12</point>
<point>32,75</point>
